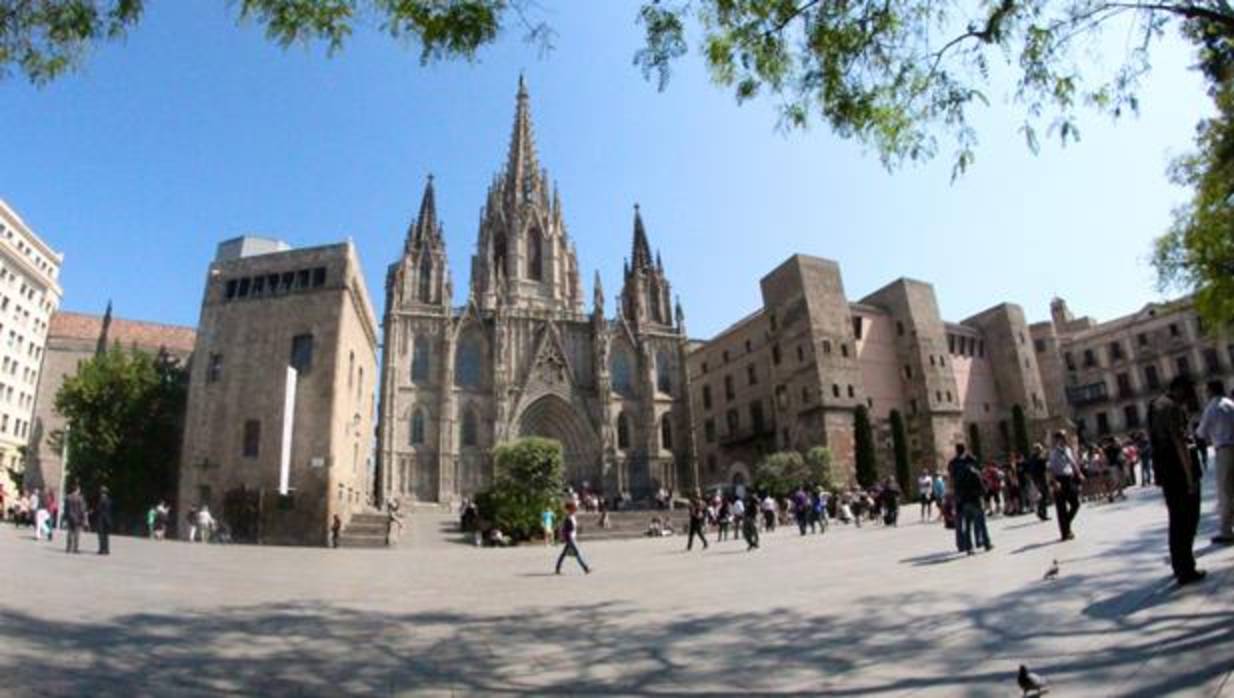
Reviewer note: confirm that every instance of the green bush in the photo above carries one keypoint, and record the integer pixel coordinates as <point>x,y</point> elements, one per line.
<point>780,473</point>
<point>527,479</point>
<point>818,464</point>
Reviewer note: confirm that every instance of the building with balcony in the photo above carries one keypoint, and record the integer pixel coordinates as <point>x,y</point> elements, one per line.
<point>1102,375</point>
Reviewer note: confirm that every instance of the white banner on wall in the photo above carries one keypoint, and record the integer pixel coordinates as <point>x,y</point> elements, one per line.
<point>289,419</point>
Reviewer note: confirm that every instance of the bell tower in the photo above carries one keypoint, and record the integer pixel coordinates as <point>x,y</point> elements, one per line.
<point>524,255</point>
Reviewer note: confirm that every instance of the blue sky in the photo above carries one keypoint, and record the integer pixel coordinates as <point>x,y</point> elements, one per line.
<point>194,130</point>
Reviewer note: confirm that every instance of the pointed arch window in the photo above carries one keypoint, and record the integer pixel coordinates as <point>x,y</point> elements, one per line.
<point>468,364</point>
<point>419,360</point>
<point>469,436</point>
<point>623,431</point>
<point>417,427</point>
<point>535,254</point>
<point>664,372</point>
<point>666,432</point>
<point>426,279</point>
<point>499,254</point>
<point>622,372</point>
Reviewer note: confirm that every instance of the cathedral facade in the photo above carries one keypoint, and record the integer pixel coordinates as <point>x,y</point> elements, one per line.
<point>523,357</point>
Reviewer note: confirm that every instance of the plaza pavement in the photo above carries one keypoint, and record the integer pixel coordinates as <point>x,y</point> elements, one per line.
<point>854,612</point>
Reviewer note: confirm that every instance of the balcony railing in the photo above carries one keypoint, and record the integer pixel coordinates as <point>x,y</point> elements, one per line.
<point>1090,394</point>
<point>745,434</point>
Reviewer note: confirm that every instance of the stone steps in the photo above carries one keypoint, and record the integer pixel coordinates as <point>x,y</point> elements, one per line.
<point>627,524</point>
<point>364,530</point>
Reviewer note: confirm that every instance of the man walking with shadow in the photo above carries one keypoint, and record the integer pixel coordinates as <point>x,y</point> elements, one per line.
<point>1065,470</point>
<point>698,519</point>
<point>1177,472</point>
<point>569,536</point>
<point>75,515</point>
<point>104,521</point>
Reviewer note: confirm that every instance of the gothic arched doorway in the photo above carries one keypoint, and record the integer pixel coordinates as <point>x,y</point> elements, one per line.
<point>553,418</point>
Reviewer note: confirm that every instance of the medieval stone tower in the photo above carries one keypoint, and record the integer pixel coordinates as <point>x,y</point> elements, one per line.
<point>522,357</point>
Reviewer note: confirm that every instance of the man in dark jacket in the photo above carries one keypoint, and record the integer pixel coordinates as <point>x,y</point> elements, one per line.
<point>104,521</point>
<point>75,515</point>
<point>1177,471</point>
<point>968,491</point>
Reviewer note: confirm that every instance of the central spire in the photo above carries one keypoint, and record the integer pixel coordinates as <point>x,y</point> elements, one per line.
<point>522,164</point>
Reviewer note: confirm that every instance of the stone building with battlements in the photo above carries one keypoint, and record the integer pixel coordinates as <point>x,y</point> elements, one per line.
<point>280,420</point>
<point>792,374</point>
<point>523,357</point>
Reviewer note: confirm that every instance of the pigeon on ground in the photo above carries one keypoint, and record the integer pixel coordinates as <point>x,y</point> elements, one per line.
<point>1031,683</point>
<point>1052,573</point>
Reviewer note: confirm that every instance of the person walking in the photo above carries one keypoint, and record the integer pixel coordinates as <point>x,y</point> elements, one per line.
<point>548,524</point>
<point>1037,474</point>
<point>1217,428</point>
<point>569,536</point>
<point>103,518</point>
<point>725,518</point>
<point>940,492</point>
<point>769,513</point>
<point>925,493</point>
<point>1065,470</point>
<point>698,519</point>
<point>75,516</point>
<point>749,526</point>
<point>1177,473</point>
<point>1145,446</point>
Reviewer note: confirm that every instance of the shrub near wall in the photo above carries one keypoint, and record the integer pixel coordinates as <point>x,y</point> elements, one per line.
<point>527,479</point>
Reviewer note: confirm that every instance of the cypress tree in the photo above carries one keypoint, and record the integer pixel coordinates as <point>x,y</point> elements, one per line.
<point>899,442</point>
<point>863,445</point>
<point>1019,429</point>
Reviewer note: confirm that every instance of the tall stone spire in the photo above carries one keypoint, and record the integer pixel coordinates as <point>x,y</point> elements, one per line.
<point>522,163</point>
<point>597,296</point>
<point>425,227</point>
<point>640,257</point>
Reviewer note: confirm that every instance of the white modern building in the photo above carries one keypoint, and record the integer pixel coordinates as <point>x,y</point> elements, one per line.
<point>29,293</point>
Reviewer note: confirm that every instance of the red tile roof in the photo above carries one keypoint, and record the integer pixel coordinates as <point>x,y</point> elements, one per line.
<point>145,335</point>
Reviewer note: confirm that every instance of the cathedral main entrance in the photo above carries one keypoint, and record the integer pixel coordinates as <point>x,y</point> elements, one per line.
<point>552,417</point>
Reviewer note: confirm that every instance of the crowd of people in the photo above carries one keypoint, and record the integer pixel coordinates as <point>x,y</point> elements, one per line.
<point>1067,473</point>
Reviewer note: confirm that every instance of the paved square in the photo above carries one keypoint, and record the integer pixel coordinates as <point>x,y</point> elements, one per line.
<point>854,612</point>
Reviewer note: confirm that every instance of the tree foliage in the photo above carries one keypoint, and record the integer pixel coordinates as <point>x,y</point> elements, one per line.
<point>899,444</point>
<point>528,478</point>
<point>863,447</point>
<point>783,472</point>
<point>125,411</point>
<point>1197,252</point>
<point>45,38</point>
<point>780,473</point>
<point>898,74</point>
<point>818,465</point>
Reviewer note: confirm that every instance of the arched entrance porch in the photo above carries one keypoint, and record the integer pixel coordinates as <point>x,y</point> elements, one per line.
<point>552,417</point>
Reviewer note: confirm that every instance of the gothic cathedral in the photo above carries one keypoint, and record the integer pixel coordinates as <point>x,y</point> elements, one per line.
<point>523,358</point>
